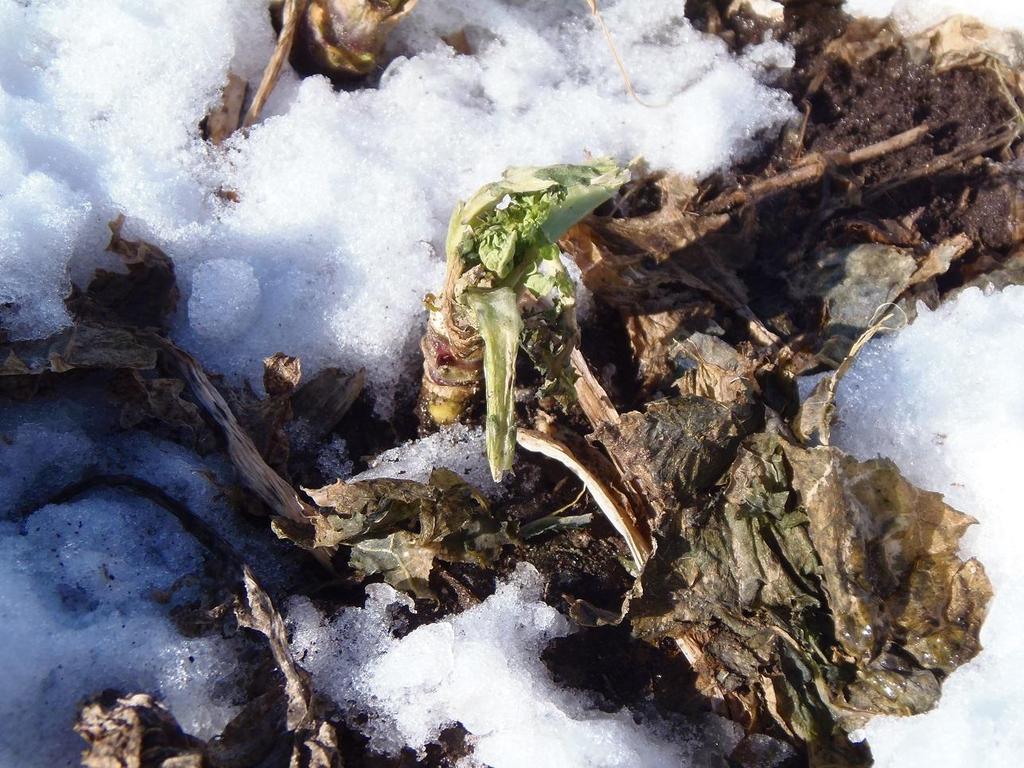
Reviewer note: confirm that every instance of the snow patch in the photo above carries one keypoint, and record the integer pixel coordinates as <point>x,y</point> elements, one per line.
<point>415,686</point>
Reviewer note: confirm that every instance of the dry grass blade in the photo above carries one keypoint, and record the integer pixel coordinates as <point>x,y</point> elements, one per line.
<point>293,11</point>
<point>259,478</point>
<point>592,5</point>
<point>612,503</point>
<point>258,613</point>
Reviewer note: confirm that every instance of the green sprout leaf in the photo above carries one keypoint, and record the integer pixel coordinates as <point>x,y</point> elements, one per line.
<point>500,326</point>
<point>502,242</point>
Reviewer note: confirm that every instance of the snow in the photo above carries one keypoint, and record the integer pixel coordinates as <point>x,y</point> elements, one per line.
<point>415,686</point>
<point>917,15</point>
<point>944,399</point>
<point>80,580</point>
<point>343,198</point>
<point>458,447</point>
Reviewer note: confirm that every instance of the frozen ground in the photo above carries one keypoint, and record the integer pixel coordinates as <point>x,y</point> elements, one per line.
<point>944,399</point>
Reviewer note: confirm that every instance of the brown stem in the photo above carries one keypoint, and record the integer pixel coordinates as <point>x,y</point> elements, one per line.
<point>293,11</point>
<point>812,168</point>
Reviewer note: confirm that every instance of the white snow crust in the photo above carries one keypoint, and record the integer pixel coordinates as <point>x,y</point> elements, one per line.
<point>481,668</point>
<point>343,198</point>
<point>944,399</point>
<point>917,15</point>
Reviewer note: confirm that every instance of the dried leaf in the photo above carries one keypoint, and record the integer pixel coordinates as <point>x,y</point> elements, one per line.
<point>225,118</point>
<point>134,731</point>
<point>159,403</point>
<point>398,527</point>
<point>343,39</point>
<point>677,448</point>
<point>317,749</point>
<point>281,374</point>
<point>143,298</point>
<point>322,402</point>
<point>851,284</point>
<point>816,592</point>
<point>98,346</point>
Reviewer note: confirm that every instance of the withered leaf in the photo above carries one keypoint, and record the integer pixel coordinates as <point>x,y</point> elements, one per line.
<point>852,284</point>
<point>143,298</point>
<point>815,592</point>
<point>398,527</point>
<point>342,39</point>
<point>97,346</point>
<point>676,448</point>
<point>281,374</point>
<point>159,401</point>
<point>317,749</point>
<point>134,731</point>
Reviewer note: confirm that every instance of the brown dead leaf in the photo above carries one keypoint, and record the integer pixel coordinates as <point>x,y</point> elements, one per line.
<point>317,749</point>
<point>135,731</point>
<point>342,39</point>
<point>281,374</point>
<point>143,298</point>
<point>225,118</point>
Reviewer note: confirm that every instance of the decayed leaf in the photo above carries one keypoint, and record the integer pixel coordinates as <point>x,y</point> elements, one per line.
<point>134,731</point>
<point>143,298</point>
<point>675,448</point>
<point>320,403</point>
<point>851,284</point>
<point>815,592</point>
<point>398,527</point>
<point>97,346</point>
<point>159,402</point>
<point>318,749</point>
<point>225,118</point>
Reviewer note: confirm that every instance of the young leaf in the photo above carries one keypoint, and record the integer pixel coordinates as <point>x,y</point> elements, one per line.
<point>500,326</point>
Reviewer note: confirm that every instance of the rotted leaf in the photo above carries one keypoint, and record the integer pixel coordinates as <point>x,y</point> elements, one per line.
<point>851,285</point>
<point>398,527</point>
<point>143,298</point>
<point>815,592</point>
<point>675,448</point>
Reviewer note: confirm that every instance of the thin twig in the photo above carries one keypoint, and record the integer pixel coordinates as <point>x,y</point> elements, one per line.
<point>949,160</point>
<point>293,11</point>
<point>812,168</point>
